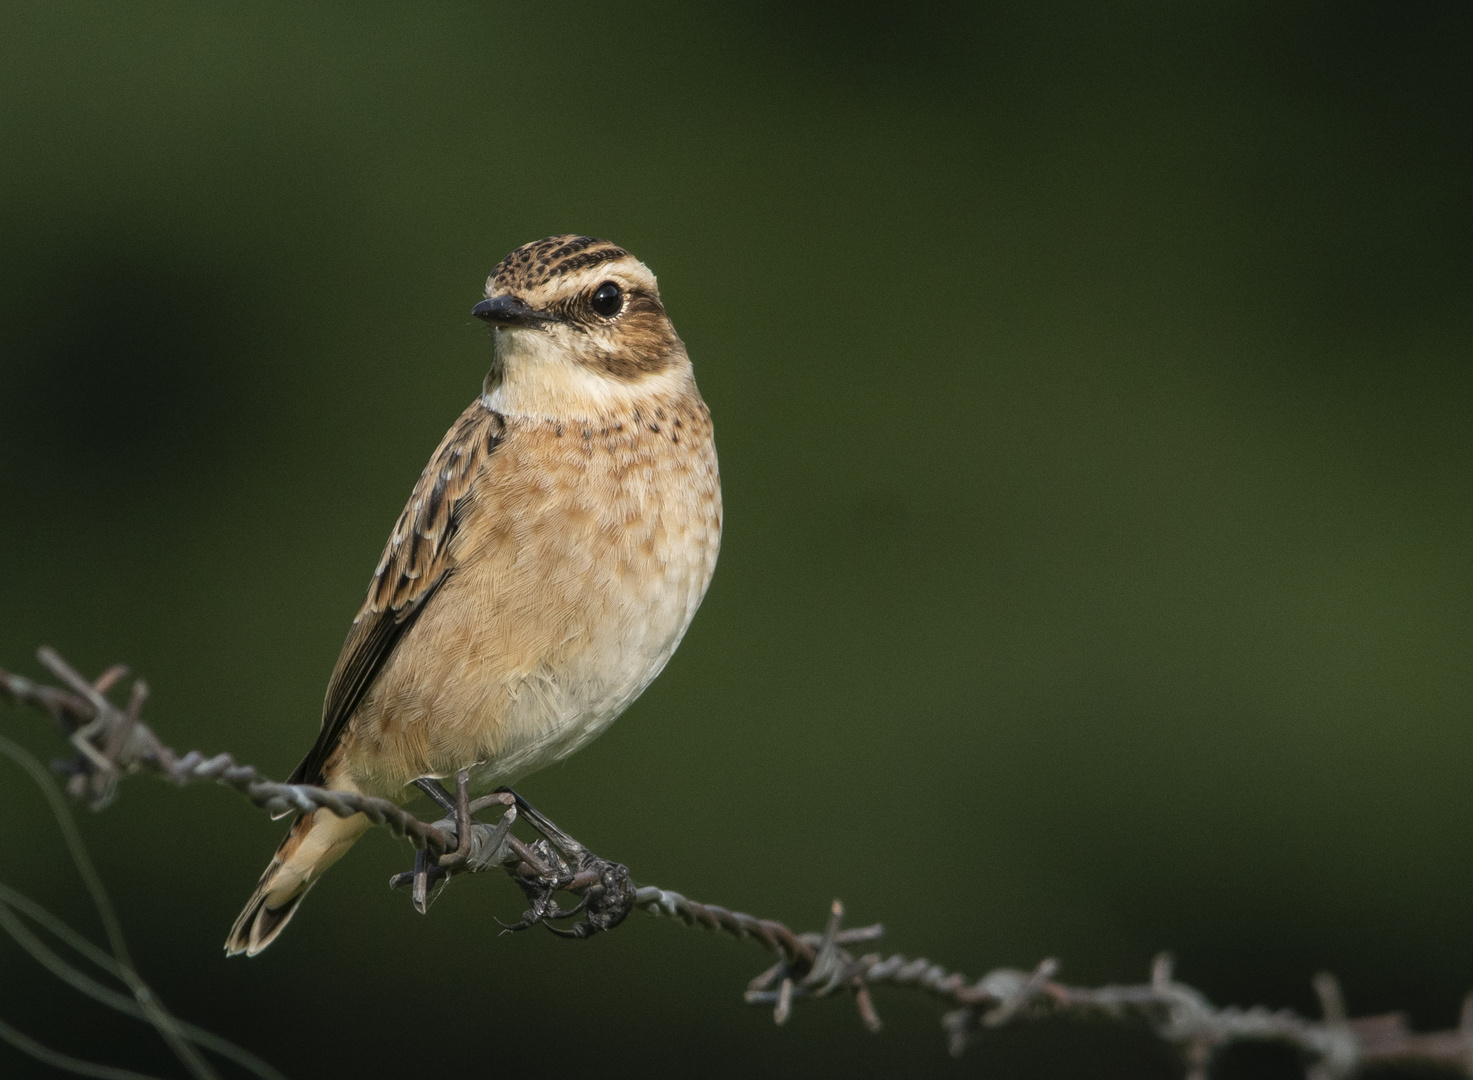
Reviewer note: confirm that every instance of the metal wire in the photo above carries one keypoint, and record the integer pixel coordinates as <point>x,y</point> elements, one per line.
<point>112,742</point>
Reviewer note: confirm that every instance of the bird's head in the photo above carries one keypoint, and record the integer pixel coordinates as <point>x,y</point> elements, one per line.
<point>576,321</point>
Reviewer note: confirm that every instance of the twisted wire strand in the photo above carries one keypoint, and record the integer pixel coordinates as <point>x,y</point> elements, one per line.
<point>137,747</point>
<point>278,798</point>
<point>1177,1013</point>
<point>770,934</point>
<point>113,742</point>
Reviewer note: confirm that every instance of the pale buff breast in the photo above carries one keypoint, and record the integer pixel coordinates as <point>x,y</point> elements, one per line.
<point>581,557</point>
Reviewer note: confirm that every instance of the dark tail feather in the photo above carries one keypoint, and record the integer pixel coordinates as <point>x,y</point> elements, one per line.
<point>258,925</point>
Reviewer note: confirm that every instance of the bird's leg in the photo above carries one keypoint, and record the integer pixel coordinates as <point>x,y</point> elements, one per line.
<point>489,845</point>
<point>560,840</point>
<point>428,870</point>
<point>453,860</point>
<point>425,874</point>
<point>461,813</point>
<point>436,790</point>
<point>484,844</point>
<point>553,864</point>
<point>605,892</point>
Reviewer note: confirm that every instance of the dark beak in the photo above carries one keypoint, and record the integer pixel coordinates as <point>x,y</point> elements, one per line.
<point>509,311</point>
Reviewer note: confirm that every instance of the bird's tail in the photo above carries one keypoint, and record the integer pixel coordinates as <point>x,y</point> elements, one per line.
<point>314,843</point>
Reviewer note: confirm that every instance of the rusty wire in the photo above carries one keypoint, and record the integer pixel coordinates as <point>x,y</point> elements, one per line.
<point>112,742</point>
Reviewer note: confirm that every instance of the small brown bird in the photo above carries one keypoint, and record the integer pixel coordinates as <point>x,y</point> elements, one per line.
<point>548,563</point>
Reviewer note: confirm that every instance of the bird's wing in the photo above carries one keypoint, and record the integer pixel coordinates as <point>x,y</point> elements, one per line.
<point>416,562</point>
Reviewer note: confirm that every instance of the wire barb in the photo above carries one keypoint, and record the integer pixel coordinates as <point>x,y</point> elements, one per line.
<point>113,742</point>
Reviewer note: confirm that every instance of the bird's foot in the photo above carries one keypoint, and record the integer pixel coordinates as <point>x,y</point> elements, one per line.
<point>554,864</point>
<point>558,863</point>
<point>476,845</point>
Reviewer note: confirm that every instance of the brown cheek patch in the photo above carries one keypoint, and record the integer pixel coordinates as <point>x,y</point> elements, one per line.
<point>629,368</point>
<point>646,344</point>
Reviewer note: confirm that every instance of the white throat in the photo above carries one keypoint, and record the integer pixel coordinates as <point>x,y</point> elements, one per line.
<point>535,378</point>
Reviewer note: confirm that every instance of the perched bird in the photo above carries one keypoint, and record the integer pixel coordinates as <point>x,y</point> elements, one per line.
<point>548,563</point>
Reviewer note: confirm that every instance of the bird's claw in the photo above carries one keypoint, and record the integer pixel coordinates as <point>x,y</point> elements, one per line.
<point>553,864</point>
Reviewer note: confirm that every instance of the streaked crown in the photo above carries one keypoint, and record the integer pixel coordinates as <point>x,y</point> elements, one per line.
<point>582,300</point>
<point>533,265</point>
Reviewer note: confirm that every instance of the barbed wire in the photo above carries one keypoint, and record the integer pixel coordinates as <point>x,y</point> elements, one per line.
<point>113,742</point>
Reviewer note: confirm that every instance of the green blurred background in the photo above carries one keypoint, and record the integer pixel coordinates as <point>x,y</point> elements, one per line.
<point>1095,412</point>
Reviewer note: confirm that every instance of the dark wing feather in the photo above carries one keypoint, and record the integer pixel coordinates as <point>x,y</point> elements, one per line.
<point>416,562</point>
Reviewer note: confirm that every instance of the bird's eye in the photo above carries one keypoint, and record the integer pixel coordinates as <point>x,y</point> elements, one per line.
<point>608,298</point>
